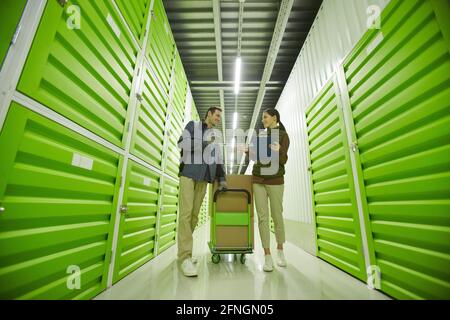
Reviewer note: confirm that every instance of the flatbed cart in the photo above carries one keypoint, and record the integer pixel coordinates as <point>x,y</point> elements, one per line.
<point>230,219</point>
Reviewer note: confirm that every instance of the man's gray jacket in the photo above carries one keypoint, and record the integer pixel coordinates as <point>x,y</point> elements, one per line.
<point>201,152</point>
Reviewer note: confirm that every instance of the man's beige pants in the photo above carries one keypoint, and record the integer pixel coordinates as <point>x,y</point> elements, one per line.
<point>191,198</point>
<point>274,193</point>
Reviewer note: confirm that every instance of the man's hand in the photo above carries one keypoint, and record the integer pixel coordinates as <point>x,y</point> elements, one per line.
<point>275,146</point>
<point>223,185</point>
<point>242,147</point>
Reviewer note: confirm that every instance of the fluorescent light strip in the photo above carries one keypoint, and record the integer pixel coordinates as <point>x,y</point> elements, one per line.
<point>237,75</point>
<point>235,118</point>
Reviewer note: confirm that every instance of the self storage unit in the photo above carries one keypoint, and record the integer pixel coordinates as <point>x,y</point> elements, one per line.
<point>95,94</point>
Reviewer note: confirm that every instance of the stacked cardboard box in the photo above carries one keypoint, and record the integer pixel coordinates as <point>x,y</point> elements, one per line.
<point>233,236</point>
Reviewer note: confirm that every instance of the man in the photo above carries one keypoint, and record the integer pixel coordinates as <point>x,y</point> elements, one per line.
<point>201,163</point>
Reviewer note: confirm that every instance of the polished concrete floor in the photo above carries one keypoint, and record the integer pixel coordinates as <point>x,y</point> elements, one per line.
<point>306,277</point>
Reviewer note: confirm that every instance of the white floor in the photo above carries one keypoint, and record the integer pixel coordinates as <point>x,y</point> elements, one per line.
<point>306,277</point>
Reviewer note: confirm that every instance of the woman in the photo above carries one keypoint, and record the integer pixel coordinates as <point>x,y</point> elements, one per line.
<point>268,182</point>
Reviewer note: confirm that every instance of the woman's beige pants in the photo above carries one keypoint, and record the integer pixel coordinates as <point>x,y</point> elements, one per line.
<point>274,193</point>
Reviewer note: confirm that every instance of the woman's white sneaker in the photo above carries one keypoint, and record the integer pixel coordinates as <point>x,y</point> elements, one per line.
<point>188,268</point>
<point>281,260</point>
<point>268,263</point>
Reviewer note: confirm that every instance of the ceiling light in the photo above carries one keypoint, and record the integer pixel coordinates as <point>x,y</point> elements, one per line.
<point>237,75</point>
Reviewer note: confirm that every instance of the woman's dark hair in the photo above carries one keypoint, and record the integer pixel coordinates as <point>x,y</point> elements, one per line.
<point>274,112</point>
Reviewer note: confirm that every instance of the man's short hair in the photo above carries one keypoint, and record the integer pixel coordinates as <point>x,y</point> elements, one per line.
<point>212,110</point>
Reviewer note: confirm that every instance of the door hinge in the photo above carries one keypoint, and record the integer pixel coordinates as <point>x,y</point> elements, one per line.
<point>123,209</point>
<point>354,146</point>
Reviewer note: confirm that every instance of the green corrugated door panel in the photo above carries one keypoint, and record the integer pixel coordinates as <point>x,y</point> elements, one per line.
<point>160,46</point>
<point>138,226</point>
<point>168,215</point>
<point>399,87</point>
<point>10,14</point>
<point>58,190</point>
<point>148,131</point>
<point>135,13</point>
<point>173,163</point>
<point>84,74</point>
<point>337,221</point>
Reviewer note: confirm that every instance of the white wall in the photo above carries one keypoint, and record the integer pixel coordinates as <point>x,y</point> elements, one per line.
<point>336,30</point>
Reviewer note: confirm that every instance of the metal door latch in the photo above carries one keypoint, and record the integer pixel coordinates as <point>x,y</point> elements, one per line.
<point>123,209</point>
<point>354,146</point>
<point>309,168</point>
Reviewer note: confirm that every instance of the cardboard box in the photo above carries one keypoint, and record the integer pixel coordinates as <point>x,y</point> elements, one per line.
<point>234,202</point>
<point>233,236</point>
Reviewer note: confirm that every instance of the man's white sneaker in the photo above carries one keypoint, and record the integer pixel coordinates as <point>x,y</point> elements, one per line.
<point>188,268</point>
<point>268,263</point>
<point>281,260</point>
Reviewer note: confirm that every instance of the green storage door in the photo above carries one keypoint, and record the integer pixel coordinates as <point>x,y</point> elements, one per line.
<point>337,221</point>
<point>84,74</point>
<point>168,215</point>
<point>135,13</point>
<point>173,152</point>
<point>10,14</point>
<point>180,86</point>
<point>160,46</point>
<point>400,102</point>
<point>137,228</point>
<point>58,190</point>
<point>148,135</point>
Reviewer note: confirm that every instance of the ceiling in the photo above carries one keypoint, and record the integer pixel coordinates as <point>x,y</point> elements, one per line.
<point>198,34</point>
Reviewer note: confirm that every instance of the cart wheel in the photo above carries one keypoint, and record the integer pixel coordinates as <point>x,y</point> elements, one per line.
<point>243,258</point>
<point>215,258</point>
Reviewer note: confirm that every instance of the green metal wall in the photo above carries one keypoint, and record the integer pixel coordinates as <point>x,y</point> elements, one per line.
<point>135,13</point>
<point>59,193</point>
<point>137,228</point>
<point>84,74</point>
<point>399,100</point>
<point>168,215</point>
<point>394,90</point>
<point>61,190</point>
<point>337,221</point>
<point>161,43</point>
<point>148,135</point>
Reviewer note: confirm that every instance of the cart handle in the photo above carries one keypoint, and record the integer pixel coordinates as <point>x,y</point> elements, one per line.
<point>249,197</point>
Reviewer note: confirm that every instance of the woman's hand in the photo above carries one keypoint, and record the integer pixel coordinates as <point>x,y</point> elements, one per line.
<point>242,148</point>
<point>275,146</point>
